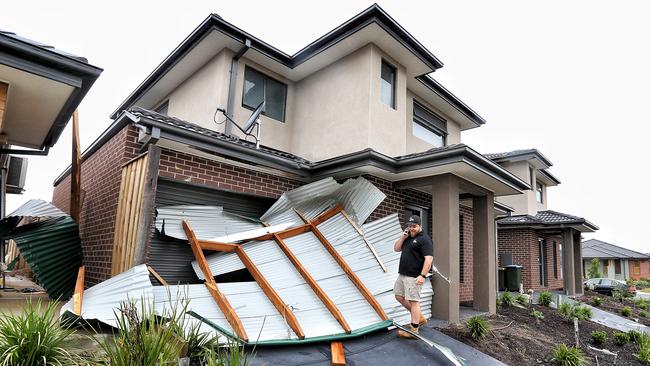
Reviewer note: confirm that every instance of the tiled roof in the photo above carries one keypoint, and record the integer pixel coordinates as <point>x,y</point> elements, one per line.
<point>547,218</point>
<point>42,45</point>
<point>175,122</point>
<point>594,248</point>
<point>508,154</point>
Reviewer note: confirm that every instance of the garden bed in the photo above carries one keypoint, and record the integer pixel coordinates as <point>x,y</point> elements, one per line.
<point>615,306</point>
<point>517,339</point>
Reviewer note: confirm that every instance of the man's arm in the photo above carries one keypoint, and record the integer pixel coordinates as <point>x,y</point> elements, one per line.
<point>399,242</point>
<point>428,260</point>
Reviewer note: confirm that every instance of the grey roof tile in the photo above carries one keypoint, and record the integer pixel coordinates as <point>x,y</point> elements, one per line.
<point>594,248</point>
<point>42,45</point>
<point>547,217</point>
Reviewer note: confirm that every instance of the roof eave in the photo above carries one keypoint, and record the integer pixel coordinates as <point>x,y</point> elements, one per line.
<point>451,99</point>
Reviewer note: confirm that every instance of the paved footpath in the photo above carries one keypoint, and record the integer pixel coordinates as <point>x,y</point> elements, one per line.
<point>612,320</point>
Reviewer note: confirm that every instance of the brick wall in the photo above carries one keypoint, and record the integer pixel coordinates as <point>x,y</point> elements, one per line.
<point>194,169</point>
<point>467,254</point>
<point>100,184</point>
<point>524,247</point>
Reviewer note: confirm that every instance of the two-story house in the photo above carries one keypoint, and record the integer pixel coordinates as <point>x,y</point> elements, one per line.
<point>358,101</point>
<point>546,243</point>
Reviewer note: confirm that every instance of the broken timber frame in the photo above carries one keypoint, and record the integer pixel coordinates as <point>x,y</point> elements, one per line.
<point>79,290</point>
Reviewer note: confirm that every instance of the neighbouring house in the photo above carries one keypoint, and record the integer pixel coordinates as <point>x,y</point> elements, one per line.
<point>615,261</point>
<point>358,101</point>
<point>544,242</point>
<point>40,88</point>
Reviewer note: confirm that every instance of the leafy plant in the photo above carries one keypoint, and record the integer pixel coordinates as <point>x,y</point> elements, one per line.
<point>634,335</point>
<point>538,315</point>
<point>643,314</point>
<point>566,310</point>
<point>478,327</point>
<point>620,338</point>
<point>521,300</point>
<point>642,304</point>
<point>626,311</point>
<point>545,298</point>
<point>33,337</point>
<point>594,269</point>
<point>598,337</point>
<point>597,301</point>
<point>507,299</point>
<point>643,342</point>
<point>233,355</point>
<point>582,312</point>
<point>568,356</point>
<point>197,343</point>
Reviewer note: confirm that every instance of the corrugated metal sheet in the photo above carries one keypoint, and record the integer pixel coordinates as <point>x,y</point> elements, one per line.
<point>207,222</point>
<point>102,301</point>
<point>37,208</point>
<point>53,250</point>
<point>171,257</point>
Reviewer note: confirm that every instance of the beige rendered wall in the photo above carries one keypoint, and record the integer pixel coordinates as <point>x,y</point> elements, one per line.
<point>523,204</point>
<point>332,110</point>
<point>197,98</point>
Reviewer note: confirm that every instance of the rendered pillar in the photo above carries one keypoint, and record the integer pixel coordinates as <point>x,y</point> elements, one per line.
<point>446,246</point>
<point>577,262</point>
<point>484,254</point>
<point>568,263</point>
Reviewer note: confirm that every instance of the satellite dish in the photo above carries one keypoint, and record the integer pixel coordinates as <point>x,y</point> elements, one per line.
<point>248,126</point>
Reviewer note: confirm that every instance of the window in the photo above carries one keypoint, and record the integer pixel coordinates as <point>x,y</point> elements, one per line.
<point>554,259</point>
<point>259,87</point>
<point>428,126</point>
<point>541,261</point>
<point>163,108</point>
<point>539,192</point>
<point>532,177</point>
<point>617,266</point>
<point>388,84</point>
<point>636,268</point>
<point>561,259</point>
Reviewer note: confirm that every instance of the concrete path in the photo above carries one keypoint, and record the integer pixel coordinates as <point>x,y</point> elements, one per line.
<point>643,295</point>
<point>378,348</point>
<point>611,320</point>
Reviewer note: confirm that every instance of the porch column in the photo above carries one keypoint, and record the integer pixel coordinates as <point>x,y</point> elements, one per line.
<point>445,221</point>
<point>568,263</point>
<point>577,260</point>
<point>484,254</point>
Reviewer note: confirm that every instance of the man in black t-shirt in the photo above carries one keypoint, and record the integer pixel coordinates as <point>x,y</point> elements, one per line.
<point>414,265</point>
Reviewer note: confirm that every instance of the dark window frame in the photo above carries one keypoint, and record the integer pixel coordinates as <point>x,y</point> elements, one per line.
<point>429,125</point>
<point>393,102</point>
<point>163,108</point>
<point>265,76</point>
<point>539,189</point>
<point>555,259</point>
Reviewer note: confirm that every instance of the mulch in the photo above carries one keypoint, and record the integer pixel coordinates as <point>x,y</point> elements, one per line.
<point>614,306</point>
<point>517,339</point>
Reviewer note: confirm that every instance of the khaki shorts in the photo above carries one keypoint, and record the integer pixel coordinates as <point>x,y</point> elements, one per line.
<point>407,288</point>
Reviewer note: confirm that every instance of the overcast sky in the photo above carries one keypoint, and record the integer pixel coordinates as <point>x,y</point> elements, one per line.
<point>568,78</point>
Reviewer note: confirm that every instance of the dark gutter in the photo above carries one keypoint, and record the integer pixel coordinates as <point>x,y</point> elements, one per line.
<point>373,14</point>
<point>549,176</point>
<point>26,152</point>
<point>450,98</point>
<point>30,57</point>
<point>530,153</point>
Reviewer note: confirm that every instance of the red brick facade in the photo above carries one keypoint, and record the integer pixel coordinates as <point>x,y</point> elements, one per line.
<point>100,183</point>
<point>466,287</point>
<point>523,245</point>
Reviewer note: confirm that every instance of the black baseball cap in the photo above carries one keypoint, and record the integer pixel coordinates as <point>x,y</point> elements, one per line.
<point>414,220</point>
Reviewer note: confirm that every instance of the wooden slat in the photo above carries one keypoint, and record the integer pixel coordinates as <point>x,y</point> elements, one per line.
<point>4,90</point>
<point>370,246</point>
<point>270,293</point>
<point>75,172</point>
<point>350,273</point>
<point>79,291</point>
<point>338,356</point>
<point>219,247</point>
<point>158,276</point>
<point>292,232</point>
<point>329,304</point>
<point>302,216</point>
<point>117,242</point>
<point>221,300</point>
<point>328,214</point>
<point>135,218</point>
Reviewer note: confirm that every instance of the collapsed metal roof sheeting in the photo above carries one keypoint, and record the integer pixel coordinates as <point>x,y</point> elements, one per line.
<point>208,222</point>
<point>37,208</point>
<point>53,251</point>
<point>101,301</point>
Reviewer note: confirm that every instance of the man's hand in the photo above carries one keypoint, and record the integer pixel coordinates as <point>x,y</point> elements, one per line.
<point>419,280</point>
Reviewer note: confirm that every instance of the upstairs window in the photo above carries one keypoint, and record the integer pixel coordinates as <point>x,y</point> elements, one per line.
<point>259,87</point>
<point>388,84</point>
<point>428,126</point>
<point>539,192</point>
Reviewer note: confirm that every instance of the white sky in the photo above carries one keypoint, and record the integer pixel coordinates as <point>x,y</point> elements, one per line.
<point>568,78</point>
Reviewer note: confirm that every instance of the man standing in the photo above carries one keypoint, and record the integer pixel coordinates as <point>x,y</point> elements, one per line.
<point>414,265</point>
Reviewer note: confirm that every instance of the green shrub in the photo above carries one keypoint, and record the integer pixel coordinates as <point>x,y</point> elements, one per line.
<point>566,310</point>
<point>507,299</point>
<point>594,268</point>
<point>478,327</point>
<point>597,301</point>
<point>598,337</point>
<point>582,312</point>
<point>545,298</point>
<point>621,338</point>
<point>626,311</point>
<point>33,337</point>
<point>197,343</point>
<point>643,314</point>
<point>642,304</point>
<point>234,355</point>
<point>568,356</point>
<point>634,335</point>
<point>643,343</point>
<point>521,300</point>
<point>538,315</point>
